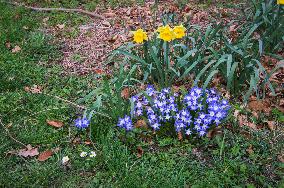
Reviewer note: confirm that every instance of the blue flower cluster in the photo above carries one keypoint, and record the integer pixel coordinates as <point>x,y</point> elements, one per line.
<point>82,123</point>
<point>194,112</point>
<point>125,123</point>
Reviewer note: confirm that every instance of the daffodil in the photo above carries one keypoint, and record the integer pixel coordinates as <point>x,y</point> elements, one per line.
<point>280,2</point>
<point>179,31</point>
<point>139,36</point>
<point>166,33</point>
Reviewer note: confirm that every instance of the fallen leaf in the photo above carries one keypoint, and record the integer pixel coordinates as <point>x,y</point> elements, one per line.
<point>250,150</point>
<point>8,45</point>
<point>109,14</point>
<point>98,71</point>
<point>60,26</point>
<point>55,150</point>
<point>9,125</point>
<point>76,141</point>
<point>281,158</point>
<point>28,152</point>
<point>255,114</point>
<point>214,132</point>
<point>45,155</point>
<point>246,134</point>
<point>179,135</point>
<point>125,93</point>
<point>281,102</point>
<point>55,123</point>
<point>106,23</point>
<point>16,49</point>
<point>236,113</point>
<point>45,19</point>
<point>251,125</point>
<point>242,119</point>
<point>259,106</point>
<point>271,125</point>
<point>88,142</point>
<point>176,89</point>
<point>141,124</point>
<point>34,89</point>
<point>139,151</point>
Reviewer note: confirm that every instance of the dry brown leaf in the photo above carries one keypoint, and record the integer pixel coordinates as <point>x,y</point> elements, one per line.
<point>109,14</point>
<point>45,155</point>
<point>55,123</point>
<point>55,150</point>
<point>246,134</point>
<point>8,45</point>
<point>236,113</point>
<point>9,125</point>
<point>88,142</point>
<point>255,114</point>
<point>242,120</point>
<point>106,24</point>
<point>281,158</point>
<point>252,125</point>
<point>60,26</point>
<point>281,102</point>
<point>98,71</point>
<point>33,89</point>
<point>139,151</point>
<point>28,152</point>
<point>45,19</point>
<point>250,150</point>
<point>176,89</point>
<point>214,132</point>
<point>125,93</point>
<point>259,106</point>
<point>141,124</point>
<point>271,125</point>
<point>179,135</point>
<point>16,49</point>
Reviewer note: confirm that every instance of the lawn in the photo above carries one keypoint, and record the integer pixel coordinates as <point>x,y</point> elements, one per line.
<point>35,89</point>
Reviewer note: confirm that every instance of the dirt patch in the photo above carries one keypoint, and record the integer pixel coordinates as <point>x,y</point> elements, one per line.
<point>87,52</point>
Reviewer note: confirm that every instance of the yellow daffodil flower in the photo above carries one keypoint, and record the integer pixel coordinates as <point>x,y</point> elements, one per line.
<point>179,31</point>
<point>280,2</point>
<point>139,36</point>
<point>166,33</point>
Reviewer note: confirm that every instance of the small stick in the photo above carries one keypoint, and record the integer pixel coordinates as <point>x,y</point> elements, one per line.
<point>66,101</point>
<point>74,104</point>
<point>61,9</point>
<point>9,134</point>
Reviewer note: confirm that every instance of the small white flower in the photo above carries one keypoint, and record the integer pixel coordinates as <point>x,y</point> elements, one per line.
<point>83,154</point>
<point>93,154</point>
<point>65,159</point>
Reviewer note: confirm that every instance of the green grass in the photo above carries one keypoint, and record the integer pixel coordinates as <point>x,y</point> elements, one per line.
<point>219,162</point>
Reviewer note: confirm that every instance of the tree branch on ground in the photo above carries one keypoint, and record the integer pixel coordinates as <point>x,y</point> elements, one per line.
<point>91,14</point>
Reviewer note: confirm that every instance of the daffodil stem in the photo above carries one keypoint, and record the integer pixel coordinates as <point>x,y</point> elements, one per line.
<point>167,61</point>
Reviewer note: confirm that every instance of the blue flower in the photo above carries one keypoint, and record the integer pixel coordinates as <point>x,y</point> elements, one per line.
<point>195,113</point>
<point>150,90</point>
<point>125,123</point>
<point>82,123</point>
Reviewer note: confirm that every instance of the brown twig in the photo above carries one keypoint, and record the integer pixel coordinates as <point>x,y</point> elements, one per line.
<point>9,134</point>
<point>94,15</point>
<point>66,101</point>
<point>75,105</point>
